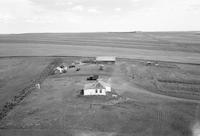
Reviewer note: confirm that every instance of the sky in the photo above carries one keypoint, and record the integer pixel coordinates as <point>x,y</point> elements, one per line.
<point>29,16</point>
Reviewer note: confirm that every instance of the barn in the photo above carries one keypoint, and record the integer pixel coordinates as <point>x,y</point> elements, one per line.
<point>96,88</point>
<point>105,60</point>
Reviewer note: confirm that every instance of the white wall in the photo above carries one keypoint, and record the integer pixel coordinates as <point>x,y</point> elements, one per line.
<point>108,89</point>
<point>93,92</point>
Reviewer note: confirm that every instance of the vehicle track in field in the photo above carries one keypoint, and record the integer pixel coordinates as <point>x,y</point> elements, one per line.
<point>126,85</point>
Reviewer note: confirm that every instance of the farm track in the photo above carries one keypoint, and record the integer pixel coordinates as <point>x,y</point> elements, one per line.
<point>157,91</point>
<point>27,90</point>
<point>168,95</point>
<point>186,96</point>
<point>194,82</point>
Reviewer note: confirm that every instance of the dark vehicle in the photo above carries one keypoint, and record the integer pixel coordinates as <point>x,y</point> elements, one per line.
<point>71,66</point>
<point>78,69</point>
<point>94,77</point>
<point>62,66</point>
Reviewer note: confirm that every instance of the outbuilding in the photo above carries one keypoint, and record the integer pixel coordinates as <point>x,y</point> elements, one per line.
<point>105,59</point>
<point>96,88</point>
<point>58,70</point>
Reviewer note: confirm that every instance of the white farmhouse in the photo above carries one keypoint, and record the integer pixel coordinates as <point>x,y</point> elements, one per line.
<point>106,85</point>
<point>97,88</point>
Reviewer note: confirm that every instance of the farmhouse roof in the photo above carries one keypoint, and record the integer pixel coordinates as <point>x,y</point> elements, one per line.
<point>104,83</point>
<point>99,84</point>
<point>106,58</point>
<point>95,85</point>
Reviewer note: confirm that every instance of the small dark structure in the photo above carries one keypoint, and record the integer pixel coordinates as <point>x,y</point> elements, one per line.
<point>78,69</point>
<point>88,60</point>
<point>101,67</point>
<point>82,92</point>
<point>94,77</point>
<point>149,63</point>
<point>62,66</point>
<point>72,66</point>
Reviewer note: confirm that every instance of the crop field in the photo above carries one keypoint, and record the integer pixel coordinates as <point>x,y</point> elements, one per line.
<point>156,78</point>
<point>176,47</point>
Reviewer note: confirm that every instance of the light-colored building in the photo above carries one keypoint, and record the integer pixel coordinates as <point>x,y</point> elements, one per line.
<point>96,88</point>
<point>106,85</point>
<point>106,59</point>
<point>60,70</point>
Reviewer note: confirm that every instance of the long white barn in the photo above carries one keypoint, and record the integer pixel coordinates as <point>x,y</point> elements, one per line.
<point>106,59</point>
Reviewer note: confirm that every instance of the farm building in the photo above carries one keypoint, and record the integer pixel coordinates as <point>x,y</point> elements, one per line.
<point>106,59</point>
<point>58,70</point>
<point>61,69</point>
<point>97,88</point>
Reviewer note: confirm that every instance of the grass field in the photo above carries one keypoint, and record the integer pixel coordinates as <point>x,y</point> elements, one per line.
<point>177,46</point>
<point>17,73</point>
<point>161,99</point>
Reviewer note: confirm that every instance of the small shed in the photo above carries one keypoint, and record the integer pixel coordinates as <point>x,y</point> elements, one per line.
<point>58,70</point>
<point>105,59</point>
<point>96,88</point>
<point>101,67</point>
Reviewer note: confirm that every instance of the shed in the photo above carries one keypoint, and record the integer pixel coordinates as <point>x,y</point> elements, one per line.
<point>106,59</point>
<point>58,70</point>
<point>96,88</point>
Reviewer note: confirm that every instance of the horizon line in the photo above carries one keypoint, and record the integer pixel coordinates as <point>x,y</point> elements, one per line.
<point>197,31</point>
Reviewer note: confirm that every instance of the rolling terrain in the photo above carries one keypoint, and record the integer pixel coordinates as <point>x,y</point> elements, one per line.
<point>166,46</point>
<point>160,98</point>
